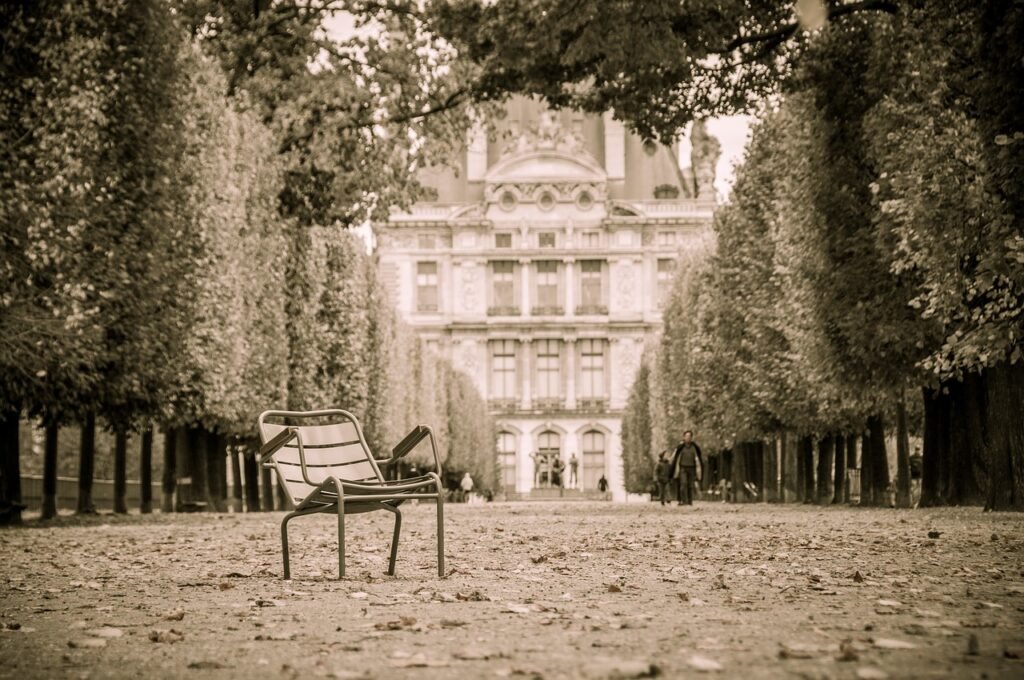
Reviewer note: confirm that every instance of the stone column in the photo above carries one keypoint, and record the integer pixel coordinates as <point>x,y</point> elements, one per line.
<point>570,369</point>
<point>525,473</point>
<point>524,294</point>
<point>570,286</point>
<point>526,346</point>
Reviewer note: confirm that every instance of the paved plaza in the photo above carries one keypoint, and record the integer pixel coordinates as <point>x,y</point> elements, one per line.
<point>535,590</point>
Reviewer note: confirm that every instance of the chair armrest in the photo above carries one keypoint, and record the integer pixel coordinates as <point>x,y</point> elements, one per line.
<point>409,443</point>
<point>271,447</point>
<point>418,434</point>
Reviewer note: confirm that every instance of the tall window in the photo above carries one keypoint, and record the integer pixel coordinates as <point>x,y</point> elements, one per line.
<point>547,284</point>
<point>546,239</point>
<point>591,239</point>
<point>503,369</point>
<point>591,294</point>
<point>548,450</point>
<point>507,460</point>
<point>503,240</point>
<point>593,458</point>
<point>503,286</point>
<point>426,241</point>
<point>549,369</point>
<point>666,238</point>
<point>592,384</point>
<point>426,286</point>
<point>666,270</point>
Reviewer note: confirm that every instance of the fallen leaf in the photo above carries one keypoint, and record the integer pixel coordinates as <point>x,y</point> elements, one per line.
<point>847,651</point>
<point>169,636</point>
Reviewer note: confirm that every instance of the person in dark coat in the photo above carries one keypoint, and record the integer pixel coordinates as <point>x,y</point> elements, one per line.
<point>685,462</point>
<point>662,475</point>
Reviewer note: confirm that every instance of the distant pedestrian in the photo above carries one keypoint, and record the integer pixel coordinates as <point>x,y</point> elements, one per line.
<point>602,484</point>
<point>916,473</point>
<point>685,463</point>
<point>467,486</point>
<point>663,475</point>
<point>574,466</point>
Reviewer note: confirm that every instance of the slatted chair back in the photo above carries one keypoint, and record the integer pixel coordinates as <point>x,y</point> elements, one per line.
<point>335,449</point>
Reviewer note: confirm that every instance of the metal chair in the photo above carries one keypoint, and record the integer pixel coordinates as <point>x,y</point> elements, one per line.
<point>322,460</point>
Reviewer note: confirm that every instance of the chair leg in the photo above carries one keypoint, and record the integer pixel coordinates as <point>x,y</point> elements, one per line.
<point>440,534</point>
<point>341,540</point>
<point>284,542</point>
<point>394,538</point>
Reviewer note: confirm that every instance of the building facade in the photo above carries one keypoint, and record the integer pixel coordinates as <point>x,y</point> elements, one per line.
<point>541,269</point>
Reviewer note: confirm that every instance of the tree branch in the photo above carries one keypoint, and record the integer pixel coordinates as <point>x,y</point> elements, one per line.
<point>779,35</point>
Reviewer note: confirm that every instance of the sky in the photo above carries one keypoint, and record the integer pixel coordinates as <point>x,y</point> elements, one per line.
<point>732,133</point>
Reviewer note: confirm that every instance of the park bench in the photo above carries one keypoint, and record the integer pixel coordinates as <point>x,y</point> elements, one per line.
<point>323,462</point>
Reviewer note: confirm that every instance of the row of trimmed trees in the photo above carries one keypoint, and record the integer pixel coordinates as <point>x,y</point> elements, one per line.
<point>868,277</point>
<point>163,267</point>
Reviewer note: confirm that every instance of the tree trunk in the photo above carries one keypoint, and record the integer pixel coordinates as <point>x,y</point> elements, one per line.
<point>932,449</point>
<point>170,479</point>
<point>770,478</point>
<point>10,467</point>
<point>120,471</point>
<point>234,452</point>
<point>826,449</point>
<point>851,464</point>
<point>755,468</point>
<point>790,469</point>
<point>875,464</point>
<point>214,458</point>
<point>807,469</point>
<point>283,502</point>
<point>222,472</point>
<point>266,489</point>
<point>839,473</point>
<point>251,469</point>
<point>903,495</point>
<point>146,472</point>
<point>192,485</point>
<point>967,471</point>
<point>1005,429</point>
<point>87,461</point>
<point>49,509</point>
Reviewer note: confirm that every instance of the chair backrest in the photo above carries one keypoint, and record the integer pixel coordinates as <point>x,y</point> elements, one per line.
<point>332,443</point>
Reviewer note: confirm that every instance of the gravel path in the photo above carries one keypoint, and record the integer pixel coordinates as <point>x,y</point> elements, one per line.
<point>535,590</point>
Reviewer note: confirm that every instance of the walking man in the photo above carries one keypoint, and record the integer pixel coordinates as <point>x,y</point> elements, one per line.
<point>684,466</point>
<point>574,466</point>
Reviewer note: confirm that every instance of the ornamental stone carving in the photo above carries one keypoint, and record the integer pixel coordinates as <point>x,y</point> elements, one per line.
<point>507,194</point>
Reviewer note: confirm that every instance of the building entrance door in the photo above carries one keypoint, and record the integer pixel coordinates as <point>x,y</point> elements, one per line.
<point>548,460</point>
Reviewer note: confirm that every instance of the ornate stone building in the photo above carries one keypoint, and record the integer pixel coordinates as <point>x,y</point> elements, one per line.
<point>541,269</point>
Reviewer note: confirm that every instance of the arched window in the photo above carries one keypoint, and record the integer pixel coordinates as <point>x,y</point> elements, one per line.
<point>593,458</point>
<point>507,460</point>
